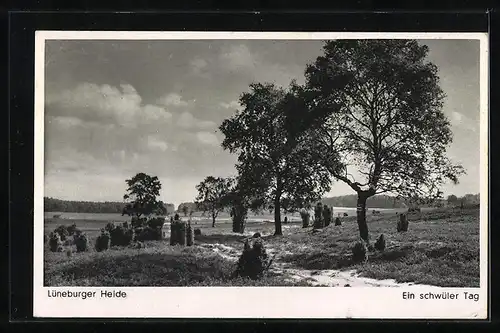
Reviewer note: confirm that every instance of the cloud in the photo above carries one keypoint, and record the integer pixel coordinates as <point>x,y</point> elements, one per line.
<point>104,103</point>
<point>238,57</point>
<point>198,65</point>
<point>156,144</point>
<point>233,105</point>
<point>458,119</point>
<point>208,138</point>
<point>172,99</point>
<point>187,121</point>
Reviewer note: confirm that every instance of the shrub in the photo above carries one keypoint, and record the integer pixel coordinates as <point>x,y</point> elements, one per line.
<point>68,242</point>
<point>121,236</point>
<point>197,232</point>
<point>305,216</point>
<point>71,229</point>
<point>156,224</point>
<point>109,227</point>
<point>189,235</point>
<point>146,233</point>
<point>318,216</point>
<point>239,216</point>
<point>327,215</point>
<point>125,225</point>
<point>102,241</point>
<point>81,242</point>
<point>68,252</point>
<point>345,214</point>
<point>138,222</point>
<point>380,243</point>
<point>359,252</point>
<point>257,235</point>
<point>55,243</point>
<point>402,225</point>
<point>178,232</point>
<point>62,231</point>
<point>254,261</point>
<point>337,221</point>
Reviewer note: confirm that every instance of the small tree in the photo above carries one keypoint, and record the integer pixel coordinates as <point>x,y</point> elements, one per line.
<point>381,108</point>
<point>142,193</point>
<point>211,195</point>
<point>185,210</point>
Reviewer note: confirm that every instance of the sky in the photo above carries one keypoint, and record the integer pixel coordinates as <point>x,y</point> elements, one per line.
<point>116,108</point>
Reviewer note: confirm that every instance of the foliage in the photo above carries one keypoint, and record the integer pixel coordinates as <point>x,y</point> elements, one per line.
<point>305,216</point>
<point>189,235</point>
<point>178,232</point>
<point>67,206</point>
<point>102,241</point>
<point>402,225</point>
<point>359,252</point>
<point>142,193</point>
<point>81,242</point>
<point>120,236</point>
<point>384,119</point>
<point>55,242</point>
<point>254,261</point>
<point>273,153</point>
<point>212,193</point>
<point>62,231</point>
<point>380,243</point>
<point>147,233</point>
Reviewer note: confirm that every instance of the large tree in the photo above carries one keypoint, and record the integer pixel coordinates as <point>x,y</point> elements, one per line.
<point>212,193</point>
<point>384,119</point>
<point>141,196</point>
<point>273,152</point>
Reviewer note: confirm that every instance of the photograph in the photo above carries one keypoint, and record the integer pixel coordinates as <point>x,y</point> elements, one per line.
<point>262,162</point>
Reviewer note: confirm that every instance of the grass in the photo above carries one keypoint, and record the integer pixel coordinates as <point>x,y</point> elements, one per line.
<point>441,248</point>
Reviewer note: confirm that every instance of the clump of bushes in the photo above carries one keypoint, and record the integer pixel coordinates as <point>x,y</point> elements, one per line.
<point>254,260</point>
<point>81,242</point>
<point>359,252</point>
<point>197,232</point>
<point>380,243</point>
<point>305,216</point>
<point>318,216</point>
<point>102,241</point>
<point>177,232</point>
<point>337,221</point>
<point>239,216</point>
<point>55,242</point>
<point>121,236</point>
<point>402,225</point>
<point>327,215</point>
<point>189,235</point>
<point>62,231</point>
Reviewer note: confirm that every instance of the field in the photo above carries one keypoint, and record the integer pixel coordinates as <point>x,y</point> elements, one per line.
<point>441,248</point>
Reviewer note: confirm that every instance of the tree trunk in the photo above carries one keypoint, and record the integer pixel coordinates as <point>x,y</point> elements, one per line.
<point>277,216</point>
<point>213,220</point>
<point>361,216</point>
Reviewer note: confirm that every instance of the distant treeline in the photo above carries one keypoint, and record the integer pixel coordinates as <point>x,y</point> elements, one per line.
<point>65,206</point>
<point>377,201</point>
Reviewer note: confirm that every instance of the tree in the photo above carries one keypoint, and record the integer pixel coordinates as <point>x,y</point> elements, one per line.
<point>142,193</point>
<point>384,119</point>
<point>452,199</point>
<point>273,152</point>
<point>185,210</point>
<point>211,195</point>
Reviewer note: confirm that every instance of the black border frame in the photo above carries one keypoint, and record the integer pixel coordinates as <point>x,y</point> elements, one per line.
<point>21,101</point>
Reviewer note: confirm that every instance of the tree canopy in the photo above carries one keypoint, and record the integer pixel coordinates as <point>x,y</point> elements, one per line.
<point>142,193</point>
<point>274,157</point>
<point>385,122</point>
<point>212,193</point>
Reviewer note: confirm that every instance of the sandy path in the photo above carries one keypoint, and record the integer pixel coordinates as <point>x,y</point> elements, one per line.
<point>327,277</point>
